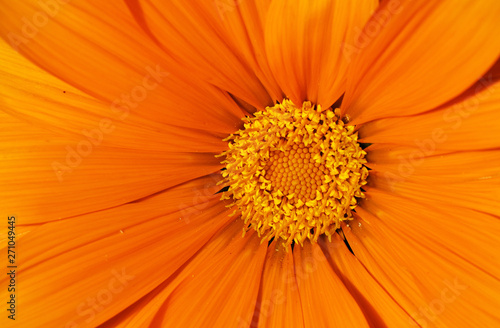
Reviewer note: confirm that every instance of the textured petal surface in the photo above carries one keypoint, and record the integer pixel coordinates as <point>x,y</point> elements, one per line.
<point>416,55</point>
<point>108,260</point>
<point>465,179</point>
<point>326,302</point>
<point>213,41</point>
<point>379,308</point>
<point>99,49</point>
<point>47,176</point>
<point>151,308</point>
<point>279,302</point>
<point>425,256</point>
<point>66,153</point>
<point>428,228</point>
<point>221,291</point>
<point>304,45</point>
<point>470,122</point>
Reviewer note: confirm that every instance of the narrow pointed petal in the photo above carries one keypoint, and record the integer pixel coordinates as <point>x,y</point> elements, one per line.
<point>210,39</point>
<point>125,254</point>
<point>48,176</point>
<point>417,55</point>
<point>469,122</point>
<point>279,299</point>
<point>304,45</point>
<point>68,153</point>
<point>99,49</point>
<point>152,307</point>
<point>326,302</point>
<point>229,280</point>
<point>423,255</point>
<point>377,305</point>
<point>473,183</point>
<point>35,96</point>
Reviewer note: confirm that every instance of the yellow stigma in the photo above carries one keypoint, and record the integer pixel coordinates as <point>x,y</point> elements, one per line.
<point>294,173</point>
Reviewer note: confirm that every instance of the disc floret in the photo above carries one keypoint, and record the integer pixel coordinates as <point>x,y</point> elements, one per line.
<point>294,172</point>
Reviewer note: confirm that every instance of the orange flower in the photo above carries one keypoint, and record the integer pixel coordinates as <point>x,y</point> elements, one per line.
<point>113,113</point>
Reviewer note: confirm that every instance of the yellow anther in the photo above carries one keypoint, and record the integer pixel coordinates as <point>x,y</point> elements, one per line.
<point>282,172</point>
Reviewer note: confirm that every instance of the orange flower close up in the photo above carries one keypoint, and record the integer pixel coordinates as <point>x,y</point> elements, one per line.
<point>239,163</point>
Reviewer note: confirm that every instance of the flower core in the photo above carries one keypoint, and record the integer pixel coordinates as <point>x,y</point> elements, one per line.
<point>294,173</point>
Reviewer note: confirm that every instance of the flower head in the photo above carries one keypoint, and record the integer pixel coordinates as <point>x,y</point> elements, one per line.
<point>355,143</point>
<point>295,173</point>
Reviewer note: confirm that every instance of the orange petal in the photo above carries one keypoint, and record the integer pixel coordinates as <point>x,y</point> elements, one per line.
<point>66,153</point>
<point>416,55</point>
<point>473,183</point>
<point>48,176</point>
<point>35,96</point>
<point>377,305</point>
<point>304,46</point>
<point>409,164</point>
<point>326,302</point>
<point>99,49</point>
<point>228,278</point>
<point>210,40</point>
<point>454,230</point>
<point>422,265</point>
<point>96,265</point>
<point>467,123</point>
<point>279,300</point>
<point>153,306</point>
<point>254,16</point>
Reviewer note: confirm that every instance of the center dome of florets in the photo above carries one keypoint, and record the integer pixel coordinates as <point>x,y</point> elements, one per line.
<point>294,172</point>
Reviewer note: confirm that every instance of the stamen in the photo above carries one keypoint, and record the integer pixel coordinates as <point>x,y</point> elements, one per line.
<point>294,173</point>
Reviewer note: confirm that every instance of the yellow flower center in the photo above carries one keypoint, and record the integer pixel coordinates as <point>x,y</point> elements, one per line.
<point>294,173</point>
